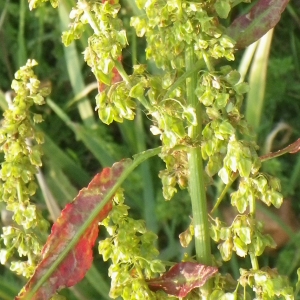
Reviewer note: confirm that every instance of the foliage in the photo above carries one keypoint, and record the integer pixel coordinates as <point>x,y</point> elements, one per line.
<point>193,96</point>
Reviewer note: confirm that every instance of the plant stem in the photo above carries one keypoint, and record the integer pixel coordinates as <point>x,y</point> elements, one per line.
<point>254,261</point>
<point>224,192</point>
<point>196,179</point>
<point>292,148</point>
<point>198,65</point>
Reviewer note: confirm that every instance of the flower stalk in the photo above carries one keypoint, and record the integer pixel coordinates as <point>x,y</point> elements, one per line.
<point>196,176</point>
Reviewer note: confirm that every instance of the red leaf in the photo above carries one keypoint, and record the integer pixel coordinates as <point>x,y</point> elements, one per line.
<point>250,27</point>
<point>182,278</point>
<point>78,261</point>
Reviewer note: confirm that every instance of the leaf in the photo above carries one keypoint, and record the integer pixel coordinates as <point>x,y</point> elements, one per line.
<point>222,8</point>
<point>186,237</point>
<point>182,278</point>
<point>250,27</point>
<point>71,225</point>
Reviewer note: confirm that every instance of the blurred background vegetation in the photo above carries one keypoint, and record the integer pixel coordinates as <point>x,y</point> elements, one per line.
<point>78,145</point>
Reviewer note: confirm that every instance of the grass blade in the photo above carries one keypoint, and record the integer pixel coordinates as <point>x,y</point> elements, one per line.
<point>257,81</point>
<point>7,290</point>
<point>74,71</point>
<point>60,159</point>
<point>98,282</point>
<point>22,53</point>
<point>93,143</point>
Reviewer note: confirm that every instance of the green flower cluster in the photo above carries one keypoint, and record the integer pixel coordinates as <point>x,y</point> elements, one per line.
<point>21,145</point>
<point>34,3</point>
<point>267,283</point>
<point>262,186</point>
<point>243,236</point>
<point>170,26</point>
<point>132,252</point>
<point>114,103</point>
<point>221,93</point>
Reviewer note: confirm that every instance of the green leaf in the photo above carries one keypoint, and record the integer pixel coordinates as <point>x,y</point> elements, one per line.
<point>241,88</point>
<point>240,201</point>
<point>137,90</point>
<point>224,175</point>
<point>226,128</point>
<point>244,166</point>
<point>276,198</point>
<point>35,157</point>
<point>207,97</point>
<point>226,249</point>
<point>241,248</point>
<point>222,8</point>
<point>102,77</point>
<point>233,77</point>
<point>222,100</point>
<point>213,113</point>
<point>186,237</point>
<point>37,118</point>
<point>214,165</point>
<point>190,115</point>
<point>245,234</point>
<point>157,266</point>
<point>225,233</point>
<point>216,295</point>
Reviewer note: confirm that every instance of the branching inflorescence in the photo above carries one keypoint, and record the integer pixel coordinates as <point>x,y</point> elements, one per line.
<point>194,103</point>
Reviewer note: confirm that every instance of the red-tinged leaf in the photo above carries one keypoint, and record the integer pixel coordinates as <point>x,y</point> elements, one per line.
<point>66,231</point>
<point>182,278</point>
<point>250,27</point>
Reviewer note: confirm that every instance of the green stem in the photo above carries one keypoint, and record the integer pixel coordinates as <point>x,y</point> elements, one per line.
<point>254,261</point>
<point>224,192</point>
<point>198,65</point>
<point>196,176</point>
<point>92,21</point>
<point>145,169</point>
<point>292,148</point>
<point>208,63</point>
